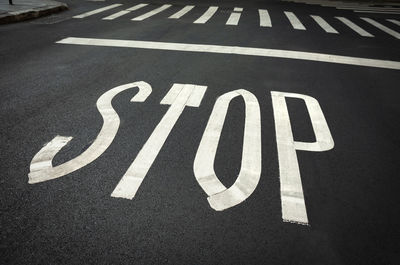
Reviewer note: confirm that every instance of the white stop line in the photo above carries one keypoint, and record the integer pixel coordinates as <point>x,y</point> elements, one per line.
<point>188,95</point>
<point>234,50</point>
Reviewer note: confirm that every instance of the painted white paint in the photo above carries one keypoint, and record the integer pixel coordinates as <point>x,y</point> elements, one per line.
<point>236,50</point>
<point>382,27</point>
<point>354,27</point>
<point>378,12</point>
<point>178,97</point>
<point>220,197</point>
<point>234,17</point>
<point>116,15</point>
<point>296,24</point>
<point>124,12</point>
<point>394,21</point>
<point>292,198</point>
<point>96,11</point>
<point>323,24</point>
<point>181,12</point>
<point>207,15</point>
<point>136,7</point>
<point>151,13</point>
<point>41,168</point>
<point>265,19</point>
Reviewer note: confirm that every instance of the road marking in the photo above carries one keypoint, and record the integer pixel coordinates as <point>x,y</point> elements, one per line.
<point>296,24</point>
<point>394,21</point>
<point>265,19</point>
<point>116,15</point>
<point>236,50</point>
<point>354,27</point>
<point>234,17</point>
<point>221,198</point>
<point>292,198</point>
<point>324,25</point>
<point>136,7</point>
<point>207,15</point>
<point>378,12</point>
<point>124,12</point>
<point>367,8</point>
<point>382,27</point>
<point>134,176</point>
<point>151,13</point>
<point>181,12</point>
<point>96,11</point>
<point>196,97</point>
<point>41,166</point>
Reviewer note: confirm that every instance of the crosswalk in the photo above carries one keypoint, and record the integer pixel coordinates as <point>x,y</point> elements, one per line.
<point>381,8</point>
<point>356,25</point>
<point>323,24</point>
<point>296,24</point>
<point>181,12</point>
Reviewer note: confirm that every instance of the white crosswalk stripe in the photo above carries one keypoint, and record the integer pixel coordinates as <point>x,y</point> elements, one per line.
<point>181,12</point>
<point>136,7</point>
<point>378,12</point>
<point>354,27</point>
<point>235,16</point>
<point>382,27</point>
<point>124,12</point>
<point>265,19</point>
<point>151,13</point>
<point>368,8</point>
<point>382,8</point>
<point>96,11</point>
<point>116,15</point>
<point>207,15</point>
<point>296,24</point>
<point>394,21</point>
<point>324,25</point>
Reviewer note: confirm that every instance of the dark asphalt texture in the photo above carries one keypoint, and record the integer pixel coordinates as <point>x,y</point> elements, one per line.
<point>48,89</point>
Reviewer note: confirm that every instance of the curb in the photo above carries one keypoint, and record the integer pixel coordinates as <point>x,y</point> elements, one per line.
<point>18,16</point>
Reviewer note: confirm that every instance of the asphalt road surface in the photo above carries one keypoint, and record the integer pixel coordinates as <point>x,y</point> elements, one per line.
<point>240,137</point>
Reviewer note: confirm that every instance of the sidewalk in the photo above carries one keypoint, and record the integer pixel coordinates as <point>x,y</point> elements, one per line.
<point>28,9</point>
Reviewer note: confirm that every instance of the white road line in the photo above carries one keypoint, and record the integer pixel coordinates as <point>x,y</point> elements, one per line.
<point>382,27</point>
<point>265,19</point>
<point>369,8</point>
<point>296,24</point>
<point>378,12</point>
<point>124,12</point>
<point>394,21</point>
<point>136,7</point>
<point>220,49</point>
<point>151,13</point>
<point>134,176</point>
<point>354,27</point>
<point>207,15</point>
<point>324,25</point>
<point>181,12</point>
<point>96,11</point>
<point>234,17</point>
<point>41,166</point>
<point>292,198</point>
<point>221,198</point>
<point>116,15</point>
